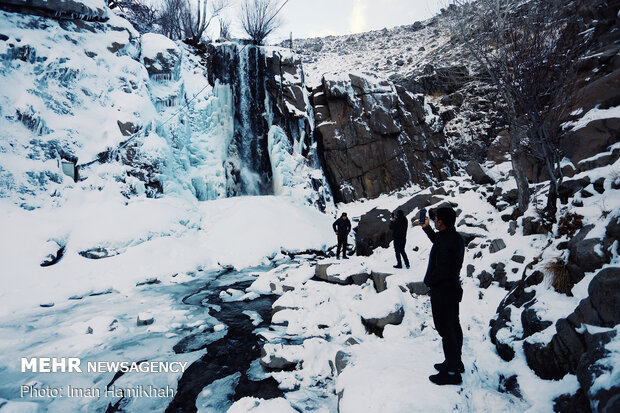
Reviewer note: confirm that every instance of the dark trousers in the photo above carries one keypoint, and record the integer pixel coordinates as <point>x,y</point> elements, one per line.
<point>445,306</point>
<point>399,249</point>
<point>342,244</point>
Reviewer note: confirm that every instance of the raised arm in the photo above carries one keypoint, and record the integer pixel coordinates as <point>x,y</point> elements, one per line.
<point>432,235</point>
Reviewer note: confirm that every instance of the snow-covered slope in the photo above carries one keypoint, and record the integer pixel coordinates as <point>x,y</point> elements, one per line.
<point>136,112</point>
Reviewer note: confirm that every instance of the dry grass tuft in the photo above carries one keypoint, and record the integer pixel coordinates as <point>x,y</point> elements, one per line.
<point>560,278</point>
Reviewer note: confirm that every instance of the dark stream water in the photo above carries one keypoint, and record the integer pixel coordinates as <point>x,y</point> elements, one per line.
<point>230,354</point>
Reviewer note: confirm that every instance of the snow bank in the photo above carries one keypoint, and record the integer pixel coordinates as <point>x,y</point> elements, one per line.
<point>145,239</point>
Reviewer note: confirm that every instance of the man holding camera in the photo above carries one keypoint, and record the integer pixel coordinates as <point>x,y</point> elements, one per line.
<point>442,277</point>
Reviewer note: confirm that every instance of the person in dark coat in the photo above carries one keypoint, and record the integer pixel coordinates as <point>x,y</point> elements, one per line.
<point>442,277</point>
<point>398,225</point>
<point>342,227</point>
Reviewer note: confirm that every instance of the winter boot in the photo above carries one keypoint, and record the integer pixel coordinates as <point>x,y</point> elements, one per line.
<point>446,377</point>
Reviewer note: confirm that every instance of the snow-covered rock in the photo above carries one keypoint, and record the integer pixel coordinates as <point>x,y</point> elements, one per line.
<point>145,319</point>
<point>90,10</point>
<point>382,309</point>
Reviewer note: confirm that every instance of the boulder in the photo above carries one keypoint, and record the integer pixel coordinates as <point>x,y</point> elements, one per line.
<point>499,273</point>
<point>510,385</point>
<point>98,253</point>
<point>604,293</point>
<point>497,245</point>
<point>531,323</point>
<point>585,139</point>
<point>373,231</point>
<point>570,187</point>
<point>587,254</point>
<point>573,349</point>
<point>533,226</point>
<point>504,350</point>
<point>161,57</point>
<point>485,279</point>
<point>54,252</point>
<point>376,325</point>
<point>478,174</point>
<point>360,278</point>
<point>612,233</point>
<point>534,278</point>
<point>599,185</point>
<point>417,202</point>
<point>591,139</point>
<point>599,160</point>
<point>572,403</point>
<point>340,274</point>
<point>379,280</point>
<point>341,361</point>
<point>144,319</point>
<point>418,288</point>
<point>279,356</point>
<point>512,228</point>
<point>331,273</point>
<point>382,309</point>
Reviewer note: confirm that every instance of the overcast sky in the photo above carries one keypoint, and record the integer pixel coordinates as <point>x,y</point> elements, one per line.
<point>312,18</point>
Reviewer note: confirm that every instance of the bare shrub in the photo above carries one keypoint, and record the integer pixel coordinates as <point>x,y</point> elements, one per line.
<point>259,18</point>
<point>570,223</point>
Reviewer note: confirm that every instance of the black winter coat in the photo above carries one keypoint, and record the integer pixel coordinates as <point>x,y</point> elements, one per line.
<point>342,226</point>
<point>399,227</point>
<point>446,259</point>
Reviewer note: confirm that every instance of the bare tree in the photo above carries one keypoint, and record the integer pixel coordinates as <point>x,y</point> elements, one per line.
<point>170,18</point>
<point>197,17</point>
<point>259,18</point>
<point>224,28</point>
<point>189,19</point>
<point>528,50</point>
<point>141,15</point>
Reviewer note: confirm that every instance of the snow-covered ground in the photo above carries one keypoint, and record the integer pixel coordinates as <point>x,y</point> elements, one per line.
<point>390,374</point>
<point>166,248</point>
<point>146,239</point>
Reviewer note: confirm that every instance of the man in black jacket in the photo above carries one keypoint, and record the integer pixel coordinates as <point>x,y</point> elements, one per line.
<point>398,225</point>
<point>342,227</point>
<point>442,277</point>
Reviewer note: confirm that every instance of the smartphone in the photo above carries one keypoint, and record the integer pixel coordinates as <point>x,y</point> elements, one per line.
<point>422,216</point>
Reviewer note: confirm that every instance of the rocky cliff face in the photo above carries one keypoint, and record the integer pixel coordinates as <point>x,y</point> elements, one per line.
<point>376,137</point>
